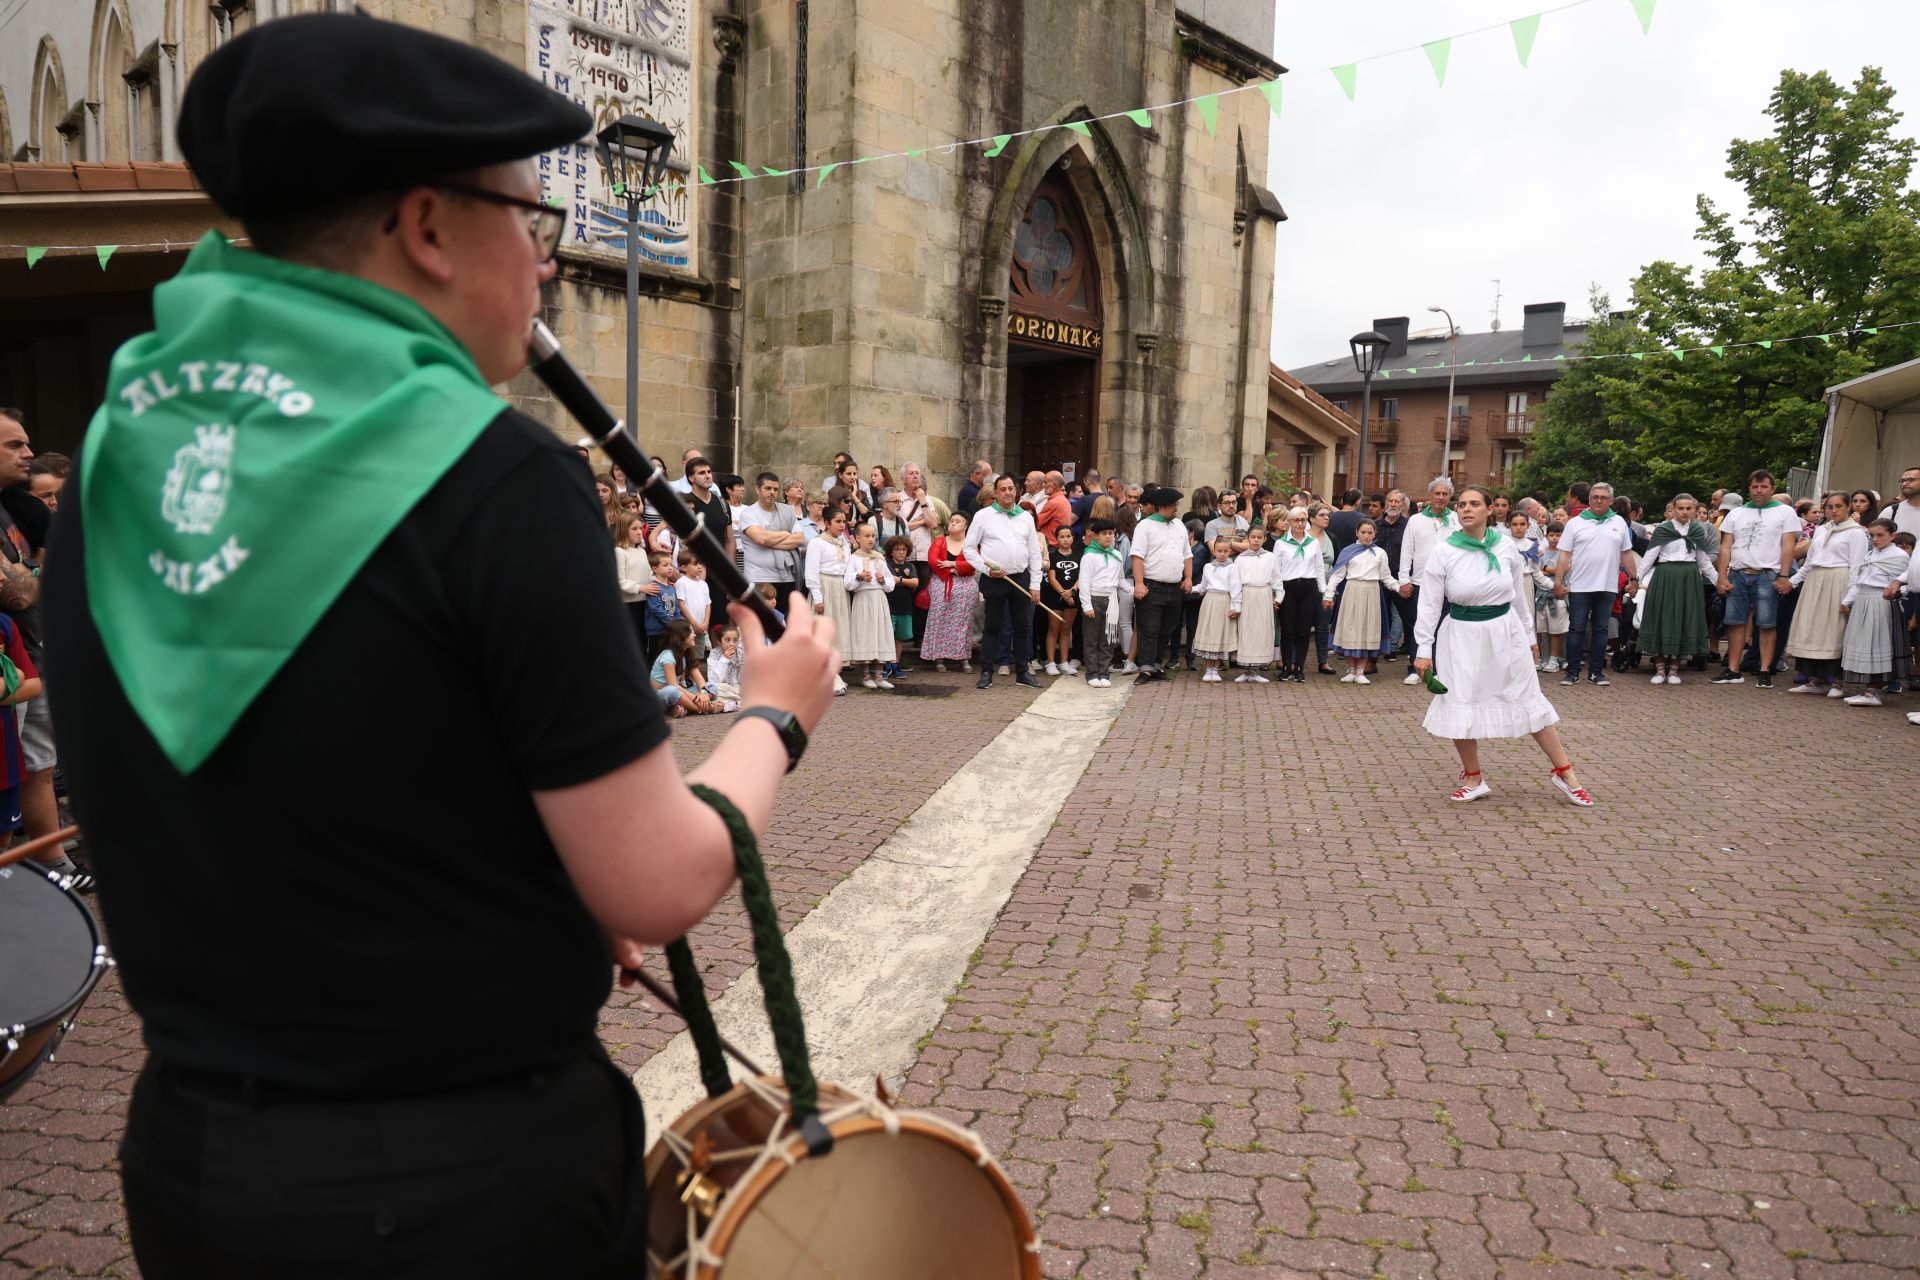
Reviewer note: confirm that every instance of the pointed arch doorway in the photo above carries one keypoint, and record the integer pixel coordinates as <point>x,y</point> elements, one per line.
<point>1054,335</point>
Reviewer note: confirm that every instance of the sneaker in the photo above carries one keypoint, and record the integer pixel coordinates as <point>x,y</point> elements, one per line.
<point>1193,664</point>
<point>986,679</point>
<point>728,704</point>
<point>1003,669</point>
<point>1764,679</point>
<point>871,683</point>
<point>1659,677</point>
<point>1257,678</point>
<point>1072,668</point>
<point>1027,681</point>
<point>1728,676</point>
<point>1052,670</point>
<point>1413,677</point>
<point>1347,678</point>
<point>1468,790</point>
<point>967,668</point>
<point>839,687</point>
<point>1126,668</point>
<point>1578,795</point>
<point>1808,687</point>
<point>1211,677</point>
<point>1913,717</point>
<point>884,683</point>
<point>1570,679</point>
<point>1362,679</point>
<point>940,667</point>
<point>1553,664</point>
<point>1835,691</point>
<point>1673,677</point>
<point>1864,700</point>
<point>1033,666</point>
<point>1242,678</point>
<point>1599,677</point>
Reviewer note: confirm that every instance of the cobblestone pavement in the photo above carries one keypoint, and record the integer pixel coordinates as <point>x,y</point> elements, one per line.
<point>1293,1014</point>
<point>877,758</point>
<point>1298,1016</point>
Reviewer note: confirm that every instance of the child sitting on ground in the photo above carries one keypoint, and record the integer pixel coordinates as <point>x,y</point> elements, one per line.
<point>723,664</point>
<point>677,679</point>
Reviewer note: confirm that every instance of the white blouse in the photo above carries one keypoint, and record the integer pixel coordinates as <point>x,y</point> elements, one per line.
<point>1370,565</point>
<point>1461,575</point>
<point>1677,552</point>
<point>1256,568</point>
<point>1290,564</point>
<point>1222,579</point>
<point>826,558</point>
<point>872,562</point>
<point>1841,546</point>
<point>1880,570</point>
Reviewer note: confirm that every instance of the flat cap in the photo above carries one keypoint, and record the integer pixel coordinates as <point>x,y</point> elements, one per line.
<point>304,112</point>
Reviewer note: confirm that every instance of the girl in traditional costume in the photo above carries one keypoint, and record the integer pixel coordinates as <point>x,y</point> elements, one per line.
<point>1362,625</point>
<point>1819,634</point>
<point>1673,621</point>
<point>1257,605</point>
<point>1484,650</point>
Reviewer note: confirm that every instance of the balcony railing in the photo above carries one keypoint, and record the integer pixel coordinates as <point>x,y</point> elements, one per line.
<point>1509,425</point>
<point>1382,430</point>
<point>1378,482</point>
<point>1460,427</point>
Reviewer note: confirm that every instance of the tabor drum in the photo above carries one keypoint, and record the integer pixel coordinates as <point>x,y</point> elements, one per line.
<point>51,956</point>
<point>734,1194</point>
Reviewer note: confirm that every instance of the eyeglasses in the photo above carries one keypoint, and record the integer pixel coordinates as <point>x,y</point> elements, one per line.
<point>545,222</point>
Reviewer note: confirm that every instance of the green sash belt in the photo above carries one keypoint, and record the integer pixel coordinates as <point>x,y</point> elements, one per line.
<point>1477,612</point>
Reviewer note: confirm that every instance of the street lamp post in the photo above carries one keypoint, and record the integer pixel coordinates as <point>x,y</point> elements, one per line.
<point>1369,349</point>
<point>633,154</point>
<point>1749,391</point>
<point>1453,363</point>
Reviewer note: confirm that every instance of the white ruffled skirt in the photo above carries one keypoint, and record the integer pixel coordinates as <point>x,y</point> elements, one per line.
<point>1492,688</point>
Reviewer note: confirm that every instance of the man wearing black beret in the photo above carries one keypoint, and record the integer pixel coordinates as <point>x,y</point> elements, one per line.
<point>353,715</point>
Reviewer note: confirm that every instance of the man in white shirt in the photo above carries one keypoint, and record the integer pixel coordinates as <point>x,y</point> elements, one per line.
<point>1905,513</point>
<point>684,485</point>
<point>769,540</point>
<point>1756,568</point>
<point>1003,542</point>
<point>1595,546</point>
<point>1036,493</point>
<point>1427,528</point>
<point>1162,570</point>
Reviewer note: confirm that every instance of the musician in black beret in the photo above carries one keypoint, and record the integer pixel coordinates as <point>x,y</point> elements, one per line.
<point>371,770</point>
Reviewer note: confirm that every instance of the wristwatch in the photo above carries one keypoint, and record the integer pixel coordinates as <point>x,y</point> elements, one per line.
<point>792,736</point>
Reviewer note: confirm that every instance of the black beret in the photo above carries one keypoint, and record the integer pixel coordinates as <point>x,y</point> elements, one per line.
<point>304,112</point>
<point>1161,497</point>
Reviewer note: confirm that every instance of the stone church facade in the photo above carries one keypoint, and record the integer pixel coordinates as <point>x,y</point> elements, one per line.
<point>1089,296</point>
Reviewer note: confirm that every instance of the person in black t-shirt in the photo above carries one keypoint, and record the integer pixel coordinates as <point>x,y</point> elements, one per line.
<point>370,1010</point>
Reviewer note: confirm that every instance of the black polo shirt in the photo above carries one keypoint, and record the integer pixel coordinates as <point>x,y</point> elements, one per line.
<point>354,893</point>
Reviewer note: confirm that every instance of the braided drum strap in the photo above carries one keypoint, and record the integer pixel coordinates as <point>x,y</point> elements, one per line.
<point>776,981</point>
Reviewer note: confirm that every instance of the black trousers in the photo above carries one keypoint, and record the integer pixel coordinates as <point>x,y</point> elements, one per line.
<point>1156,619</point>
<point>541,1174</point>
<point>1409,607</point>
<point>1008,606</point>
<point>1299,611</point>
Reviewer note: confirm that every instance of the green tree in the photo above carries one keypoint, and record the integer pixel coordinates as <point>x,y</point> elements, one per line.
<point>1830,243</point>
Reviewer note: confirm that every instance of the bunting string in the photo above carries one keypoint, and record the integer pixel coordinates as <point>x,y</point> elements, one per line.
<point>1524,30</point>
<point>1679,354</point>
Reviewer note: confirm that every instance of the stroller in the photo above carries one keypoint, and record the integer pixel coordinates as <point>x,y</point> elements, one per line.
<point>1625,629</point>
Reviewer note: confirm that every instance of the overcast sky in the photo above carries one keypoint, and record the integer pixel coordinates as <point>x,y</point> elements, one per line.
<point>1582,167</point>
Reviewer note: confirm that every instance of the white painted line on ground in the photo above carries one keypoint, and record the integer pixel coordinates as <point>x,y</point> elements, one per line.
<point>875,962</point>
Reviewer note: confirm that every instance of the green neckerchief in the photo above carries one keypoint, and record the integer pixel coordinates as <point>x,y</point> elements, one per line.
<point>253,451</point>
<point>1458,538</point>
<point>1008,512</point>
<point>1751,505</point>
<point>1155,516</point>
<point>1602,518</point>
<point>1435,513</point>
<point>1698,536</point>
<point>1299,547</point>
<point>1094,548</point>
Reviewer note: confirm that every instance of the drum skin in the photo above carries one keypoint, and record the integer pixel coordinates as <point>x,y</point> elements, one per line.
<point>925,1201</point>
<point>50,959</point>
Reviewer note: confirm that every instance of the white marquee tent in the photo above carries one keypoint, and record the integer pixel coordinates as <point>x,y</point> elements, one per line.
<point>1873,431</point>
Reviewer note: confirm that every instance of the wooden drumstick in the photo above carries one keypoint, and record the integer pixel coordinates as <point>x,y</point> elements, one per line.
<point>665,997</point>
<point>31,847</point>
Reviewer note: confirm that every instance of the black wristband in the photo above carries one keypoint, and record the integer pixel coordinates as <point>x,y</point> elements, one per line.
<point>792,736</point>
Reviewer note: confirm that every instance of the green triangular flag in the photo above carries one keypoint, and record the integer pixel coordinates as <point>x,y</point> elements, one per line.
<point>1527,357</point>
<point>1272,90</point>
<point>706,179</point>
<point>33,256</point>
<point>1465,363</point>
<point>825,169</point>
<point>1561,356</point>
<point>1080,127</point>
<point>1524,30</point>
<point>1766,344</point>
<point>1874,329</point>
<point>1826,338</point>
<point>1643,10</point>
<point>1638,355</point>
<point>619,188</point>
<point>1000,141</point>
<point>745,171</point>
<point>1140,118</point>
<point>103,252</point>
<point>1347,74</point>
<point>1385,374</point>
<point>1679,355</point>
<point>1720,351</point>
<point>1437,51</point>
<point>1210,112</point>
<point>914,153</point>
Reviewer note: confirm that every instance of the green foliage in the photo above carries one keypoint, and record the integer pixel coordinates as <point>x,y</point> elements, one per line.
<point>1830,241</point>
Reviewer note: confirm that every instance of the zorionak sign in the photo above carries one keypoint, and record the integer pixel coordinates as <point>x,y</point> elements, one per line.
<point>1059,333</point>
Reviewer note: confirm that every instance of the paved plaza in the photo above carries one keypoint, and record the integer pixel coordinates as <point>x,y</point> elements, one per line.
<point>1262,1004</point>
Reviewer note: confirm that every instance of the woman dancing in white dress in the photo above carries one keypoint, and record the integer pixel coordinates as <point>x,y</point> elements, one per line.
<point>1484,649</point>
